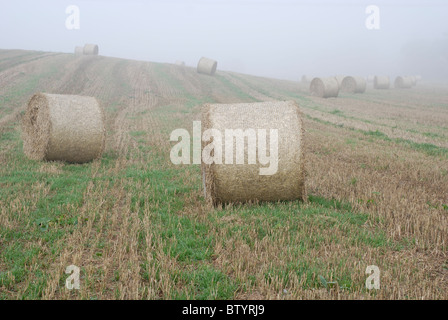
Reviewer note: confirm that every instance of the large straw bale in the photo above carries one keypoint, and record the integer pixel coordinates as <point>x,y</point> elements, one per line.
<point>324,87</point>
<point>224,183</point>
<point>63,127</point>
<point>91,49</point>
<point>207,66</point>
<point>353,84</point>
<point>403,82</point>
<point>381,82</point>
<point>79,50</point>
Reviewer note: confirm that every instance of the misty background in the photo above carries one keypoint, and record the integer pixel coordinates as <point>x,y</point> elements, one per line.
<point>281,39</point>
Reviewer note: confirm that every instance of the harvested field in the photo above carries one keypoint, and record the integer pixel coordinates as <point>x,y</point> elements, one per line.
<point>138,226</point>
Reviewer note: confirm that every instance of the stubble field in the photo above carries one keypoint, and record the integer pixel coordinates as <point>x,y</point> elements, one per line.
<point>138,226</point>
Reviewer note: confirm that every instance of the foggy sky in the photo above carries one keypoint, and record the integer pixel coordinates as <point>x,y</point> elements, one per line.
<point>280,39</point>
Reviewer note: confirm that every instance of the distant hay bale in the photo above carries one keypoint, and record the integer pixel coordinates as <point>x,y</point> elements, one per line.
<point>381,82</point>
<point>418,77</point>
<point>79,50</point>
<point>370,78</point>
<point>306,79</point>
<point>324,87</point>
<point>91,49</point>
<point>403,82</point>
<point>180,63</point>
<point>63,127</point>
<point>207,66</point>
<point>224,183</point>
<point>413,80</point>
<point>339,79</point>
<point>353,84</point>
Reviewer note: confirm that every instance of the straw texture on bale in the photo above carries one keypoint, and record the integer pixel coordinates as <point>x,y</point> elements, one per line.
<point>224,183</point>
<point>324,87</point>
<point>381,82</point>
<point>403,82</point>
<point>207,66</point>
<point>353,84</point>
<point>79,50</point>
<point>91,49</point>
<point>63,127</point>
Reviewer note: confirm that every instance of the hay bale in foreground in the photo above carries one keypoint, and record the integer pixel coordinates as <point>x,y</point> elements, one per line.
<point>403,82</point>
<point>324,87</point>
<point>79,50</point>
<point>224,183</point>
<point>91,49</point>
<point>207,66</point>
<point>353,84</point>
<point>381,82</point>
<point>63,127</point>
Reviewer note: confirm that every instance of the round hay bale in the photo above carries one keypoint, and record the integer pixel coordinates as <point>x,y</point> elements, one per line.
<point>91,49</point>
<point>324,87</point>
<point>79,50</point>
<point>339,79</point>
<point>381,82</point>
<point>63,127</point>
<point>207,66</point>
<point>403,82</point>
<point>224,183</point>
<point>413,80</point>
<point>180,63</point>
<point>370,78</point>
<point>353,84</point>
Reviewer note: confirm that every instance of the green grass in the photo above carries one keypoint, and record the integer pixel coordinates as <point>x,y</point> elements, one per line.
<point>251,86</point>
<point>243,96</point>
<point>426,148</point>
<point>44,219</point>
<point>25,89</point>
<point>204,283</point>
